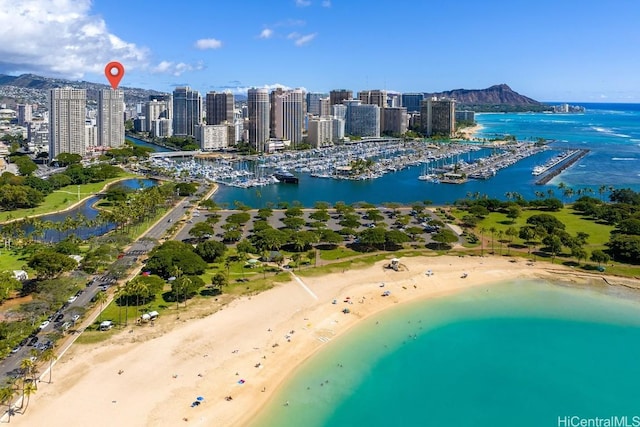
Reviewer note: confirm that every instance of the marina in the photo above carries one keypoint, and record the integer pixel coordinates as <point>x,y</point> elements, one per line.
<point>450,162</point>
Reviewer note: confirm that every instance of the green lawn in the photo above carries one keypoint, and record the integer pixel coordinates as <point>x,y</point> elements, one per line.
<point>62,199</point>
<point>12,259</point>
<point>598,233</point>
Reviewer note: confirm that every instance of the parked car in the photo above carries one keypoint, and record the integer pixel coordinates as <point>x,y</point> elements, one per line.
<point>16,349</point>
<point>72,299</point>
<point>59,317</point>
<point>33,341</point>
<point>75,318</point>
<point>44,324</point>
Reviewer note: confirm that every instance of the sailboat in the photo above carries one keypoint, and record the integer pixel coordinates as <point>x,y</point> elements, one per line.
<point>426,176</point>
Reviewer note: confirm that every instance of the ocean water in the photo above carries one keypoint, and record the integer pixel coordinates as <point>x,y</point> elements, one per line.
<point>610,131</point>
<point>515,354</point>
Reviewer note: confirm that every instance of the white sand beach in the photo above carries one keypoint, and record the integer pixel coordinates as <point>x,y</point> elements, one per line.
<point>149,376</point>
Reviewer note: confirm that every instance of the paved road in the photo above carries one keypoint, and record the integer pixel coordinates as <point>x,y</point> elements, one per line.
<point>9,367</point>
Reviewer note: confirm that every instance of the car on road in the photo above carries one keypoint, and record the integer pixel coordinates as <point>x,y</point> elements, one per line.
<point>75,317</point>
<point>72,299</point>
<point>44,324</point>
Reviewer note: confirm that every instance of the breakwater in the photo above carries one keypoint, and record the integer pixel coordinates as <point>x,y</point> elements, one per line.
<point>561,167</point>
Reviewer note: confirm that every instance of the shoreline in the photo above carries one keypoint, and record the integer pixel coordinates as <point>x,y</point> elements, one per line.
<point>70,207</point>
<point>151,375</point>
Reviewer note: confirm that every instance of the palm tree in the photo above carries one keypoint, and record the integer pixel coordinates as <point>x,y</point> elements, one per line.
<point>27,390</point>
<point>49,356</point>
<point>482,231</point>
<point>101,298</point>
<point>500,234</point>
<point>6,398</point>
<point>492,230</point>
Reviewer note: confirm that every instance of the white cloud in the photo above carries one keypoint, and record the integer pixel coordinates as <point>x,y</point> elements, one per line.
<point>303,3</point>
<point>242,90</point>
<point>303,40</point>
<point>293,35</point>
<point>62,38</point>
<point>326,3</point>
<point>266,33</point>
<point>208,44</point>
<point>175,68</point>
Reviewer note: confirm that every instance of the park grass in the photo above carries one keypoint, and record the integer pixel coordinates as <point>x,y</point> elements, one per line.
<point>338,253</point>
<point>13,259</point>
<point>598,233</point>
<point>62,199</point>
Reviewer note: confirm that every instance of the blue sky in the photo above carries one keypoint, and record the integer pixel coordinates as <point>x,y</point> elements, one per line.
<point>562,50</point>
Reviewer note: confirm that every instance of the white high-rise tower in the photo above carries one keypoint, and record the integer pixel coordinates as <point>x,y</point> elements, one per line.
<point>110,118</point>
<point>67,111</point>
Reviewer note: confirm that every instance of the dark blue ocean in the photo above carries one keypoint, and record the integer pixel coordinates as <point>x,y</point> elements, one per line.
<point>610,131</point>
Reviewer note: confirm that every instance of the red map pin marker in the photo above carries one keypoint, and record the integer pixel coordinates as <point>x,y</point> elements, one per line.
<point>114,71</point>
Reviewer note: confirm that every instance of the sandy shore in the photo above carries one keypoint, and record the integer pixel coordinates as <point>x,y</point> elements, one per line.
<point>470,132</point>
<point>149,376</point>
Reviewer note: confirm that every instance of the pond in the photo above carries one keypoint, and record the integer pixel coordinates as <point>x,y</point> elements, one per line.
<point>87,210</point>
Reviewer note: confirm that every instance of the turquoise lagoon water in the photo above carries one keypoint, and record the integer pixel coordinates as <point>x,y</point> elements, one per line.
<point>516,354</point>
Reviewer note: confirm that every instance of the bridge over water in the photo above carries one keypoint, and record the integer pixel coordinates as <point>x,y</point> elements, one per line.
<point>175,154</point>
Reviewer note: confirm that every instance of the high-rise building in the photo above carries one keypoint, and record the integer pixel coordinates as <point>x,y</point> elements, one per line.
<point>25,114</point>
<point>161,128</point>
<point>90,136</point>
<point>338,129</point>
<point>168,99</point>
<point>320,131</point>
<point>338,95</point>
<point>362,119</point>
<point>287,115</point>
<point>465,116</point>
<point>395,120</point>
<point>313,103</point>
<point>412,101</point>
<point>272,110</point>
<point>438,117</point>
<point>213,137</point>
<point>258,111</point>
<point>339,111</point>
<point>187,111</point>
<point>110,118</point>
<point>394,99</point>
<point>66,121</point>
<point>375,97</point>
<point>219,107</point>
<point>156,109</point>
<point>325,107</point>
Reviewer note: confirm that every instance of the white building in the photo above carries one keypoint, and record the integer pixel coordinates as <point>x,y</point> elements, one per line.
<point>320,131</point>
<point>162,128</point>
<point>66,121</point>
<point>155,110</point>
<point>110,118</point>
<point>213,137</point>
<point>289,116</point>
<point>25,114</point>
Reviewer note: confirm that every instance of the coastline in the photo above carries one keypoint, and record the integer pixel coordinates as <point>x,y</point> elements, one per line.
<point>166,367</point>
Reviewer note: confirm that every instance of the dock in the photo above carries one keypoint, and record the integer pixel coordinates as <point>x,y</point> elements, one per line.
<point>558,168</point>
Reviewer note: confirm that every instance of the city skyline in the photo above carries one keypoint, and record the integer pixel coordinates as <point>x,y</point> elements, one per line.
<point>546,51</point>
